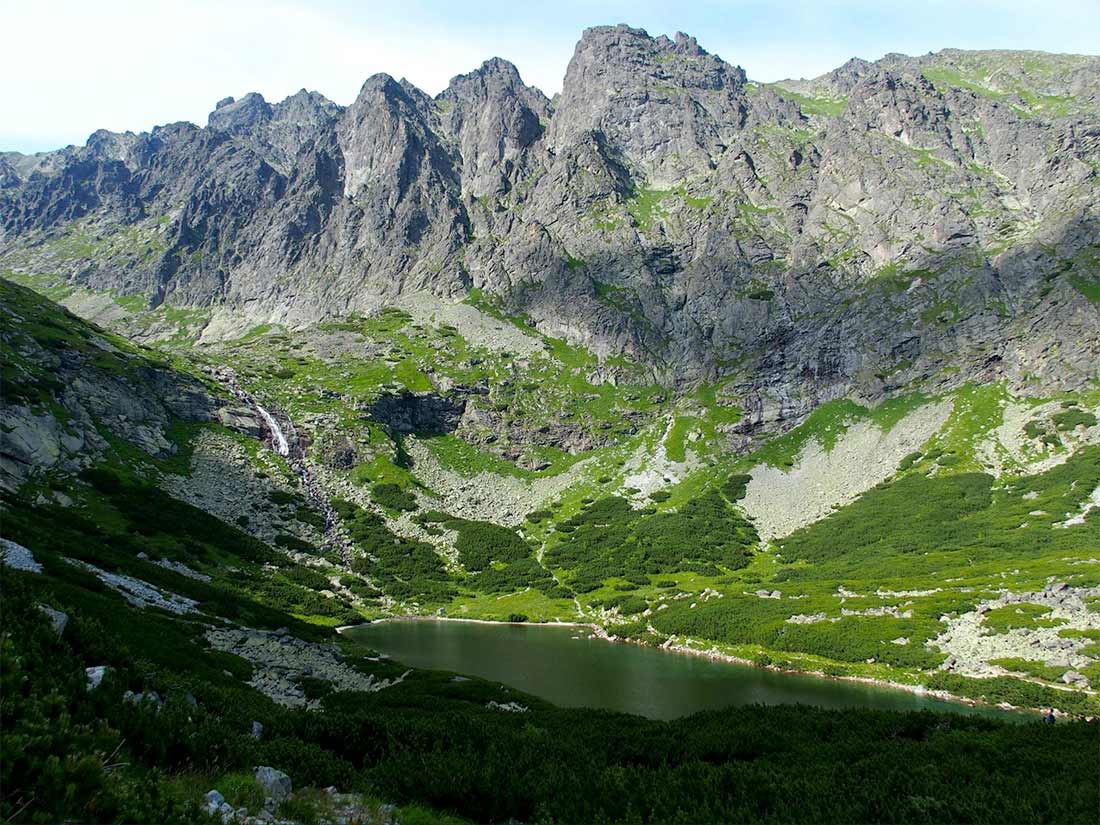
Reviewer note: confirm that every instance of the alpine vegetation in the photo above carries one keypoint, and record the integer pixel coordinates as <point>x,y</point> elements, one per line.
<point>725,378</point>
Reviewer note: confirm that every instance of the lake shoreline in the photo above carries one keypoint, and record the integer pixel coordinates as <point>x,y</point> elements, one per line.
<point>603,634</point>
<point>388,619</point>
<point>717,656</point>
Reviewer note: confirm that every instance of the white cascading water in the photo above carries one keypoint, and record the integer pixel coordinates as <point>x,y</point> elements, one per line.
<point>281,444</point>
<point>278,440</point>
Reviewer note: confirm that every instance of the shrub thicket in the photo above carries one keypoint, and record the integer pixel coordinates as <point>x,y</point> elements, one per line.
<point>393,497</point>
<point>610,539</point>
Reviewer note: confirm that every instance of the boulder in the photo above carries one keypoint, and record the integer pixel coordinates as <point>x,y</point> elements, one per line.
<point>242,419</point>
<point>1072,677</point>
<point>276,783</point>
<point>58,620</point>
<point>94,676</point>
<point>508,707</point>
<point>212,801</point>
<point>138,698</point>
<point>18,557</point>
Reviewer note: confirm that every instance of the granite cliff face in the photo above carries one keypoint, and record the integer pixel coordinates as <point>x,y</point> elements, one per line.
<point>913,220</point>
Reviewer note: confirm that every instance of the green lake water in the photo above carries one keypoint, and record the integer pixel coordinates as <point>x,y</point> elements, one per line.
<point>562,665</point>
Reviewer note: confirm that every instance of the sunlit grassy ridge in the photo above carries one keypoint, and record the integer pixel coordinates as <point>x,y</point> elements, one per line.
<point>825,106</point>
<point>1019,79</point>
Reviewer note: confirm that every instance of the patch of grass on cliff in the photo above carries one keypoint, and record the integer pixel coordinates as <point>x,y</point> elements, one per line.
<point>1089,286</point>
<point>467,460</point>
<point>645,206</point>
<point>944,78</point>
<point>623,299</point>
<point>409,374</point>
<point>676,441</point>
<point>702,413</point>
<point>824,106</point>
<point>138,243</point>
<point>54,287</point>
<point>1072,419</point>
<point>995,83</point>
<point>606,215</point>
<point>977,411</point>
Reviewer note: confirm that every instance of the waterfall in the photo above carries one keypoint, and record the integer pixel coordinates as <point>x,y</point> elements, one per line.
<point>281,442</point>
<point>278,440</point>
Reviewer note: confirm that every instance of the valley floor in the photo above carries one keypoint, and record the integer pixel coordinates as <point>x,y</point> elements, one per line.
<point>192,557</point>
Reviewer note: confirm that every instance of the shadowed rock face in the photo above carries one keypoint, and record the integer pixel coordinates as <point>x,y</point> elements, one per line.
<point>423,414</point>
<point>663,207</point>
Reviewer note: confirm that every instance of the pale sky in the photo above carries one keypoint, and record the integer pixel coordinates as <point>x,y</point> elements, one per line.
<point>71,67</point>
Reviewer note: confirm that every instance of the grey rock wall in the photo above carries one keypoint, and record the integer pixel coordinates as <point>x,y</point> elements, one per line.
<point>663,207</point>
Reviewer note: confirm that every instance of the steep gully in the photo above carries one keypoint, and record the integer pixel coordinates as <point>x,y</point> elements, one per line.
<point>286,443</point>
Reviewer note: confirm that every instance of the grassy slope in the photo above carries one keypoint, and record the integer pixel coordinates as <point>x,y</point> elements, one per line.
<point>430,741</point>
<point>1022,80</point>
<point>289,371</point>
<point>433,742</point>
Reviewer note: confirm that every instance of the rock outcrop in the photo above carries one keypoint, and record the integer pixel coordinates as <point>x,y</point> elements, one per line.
<point>72,393</point>
<point>280,661</point>
<point>857,232</point>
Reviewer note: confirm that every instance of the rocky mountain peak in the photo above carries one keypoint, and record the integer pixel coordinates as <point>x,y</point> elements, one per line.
<point>231,115</point>
<point>663,206</point>
<point>495,70</point>
<point>420,98</point>
<point>666,104</point>
<point>377,84</point>
<point>686,44</point>
<point>608,50</point>
<point>112,145</point>
<point>906,108</point>
<point>845,77</point>
<point>495,80</point>
<point>306,103</point>
<point>495,118</point>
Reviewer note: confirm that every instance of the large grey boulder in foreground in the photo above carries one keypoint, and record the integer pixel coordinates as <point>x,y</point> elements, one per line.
<point>275,783</point>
